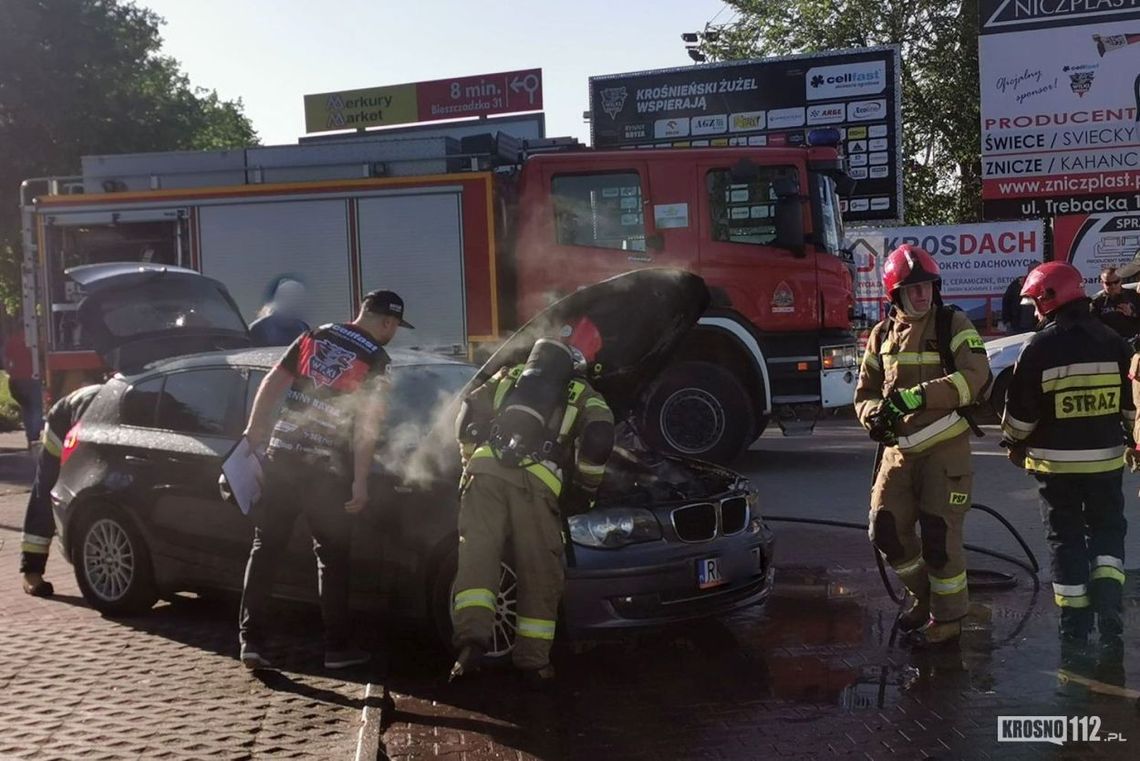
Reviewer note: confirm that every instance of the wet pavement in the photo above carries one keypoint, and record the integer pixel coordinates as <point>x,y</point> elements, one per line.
<point>816,673</point>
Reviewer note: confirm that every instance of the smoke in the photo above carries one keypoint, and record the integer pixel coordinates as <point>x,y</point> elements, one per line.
<point>422,451</point>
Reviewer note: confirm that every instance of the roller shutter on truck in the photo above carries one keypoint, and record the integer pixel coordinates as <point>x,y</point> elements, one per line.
<point>413,244</point>
<point>410,242</point>
<point>248,246</point>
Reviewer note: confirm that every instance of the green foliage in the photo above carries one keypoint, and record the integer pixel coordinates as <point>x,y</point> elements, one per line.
<point>939,41</point>
<point>81,77</point>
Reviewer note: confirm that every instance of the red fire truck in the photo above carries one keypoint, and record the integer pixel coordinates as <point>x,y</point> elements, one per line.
<point>479,233</point>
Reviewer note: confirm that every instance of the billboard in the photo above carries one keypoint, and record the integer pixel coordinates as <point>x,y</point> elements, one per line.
<point>977,263</point>
<point>1060,92</point>
<point>482,95</point>
<point>769,102</point>
<point>1091,242</point>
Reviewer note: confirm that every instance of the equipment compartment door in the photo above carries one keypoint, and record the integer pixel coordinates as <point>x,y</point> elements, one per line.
<point>413,244</point>
<point>248,246</point>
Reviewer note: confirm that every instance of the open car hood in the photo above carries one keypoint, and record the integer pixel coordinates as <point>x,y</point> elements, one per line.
<point>133,313</point>
<point>642,316</point>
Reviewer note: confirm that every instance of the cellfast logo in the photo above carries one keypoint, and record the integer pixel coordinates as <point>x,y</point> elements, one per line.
<point>845,80</point>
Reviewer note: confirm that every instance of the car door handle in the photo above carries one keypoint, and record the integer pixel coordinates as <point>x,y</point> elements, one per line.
<point>136,458</point>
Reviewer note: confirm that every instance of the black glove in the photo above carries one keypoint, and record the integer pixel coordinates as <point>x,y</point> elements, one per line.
<point>576,501</point>
<point>1014,451</point>
<point>881,424</point>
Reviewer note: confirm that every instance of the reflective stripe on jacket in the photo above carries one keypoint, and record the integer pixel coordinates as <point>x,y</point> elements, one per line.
<point>906,356</point>
<point>1069,397</point>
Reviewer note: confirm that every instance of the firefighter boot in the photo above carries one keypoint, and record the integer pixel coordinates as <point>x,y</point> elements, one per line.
<point>467,662</point>
<point>915,613</point>
<point>35,585</point>
<point>979,614</point>
<point>539,679</point>
<point>937,634</point>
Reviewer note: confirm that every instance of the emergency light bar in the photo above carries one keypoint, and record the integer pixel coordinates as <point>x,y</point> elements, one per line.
<point>823,137</point>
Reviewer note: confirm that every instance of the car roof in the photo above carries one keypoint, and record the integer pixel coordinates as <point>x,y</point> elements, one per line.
<point>267,356</point>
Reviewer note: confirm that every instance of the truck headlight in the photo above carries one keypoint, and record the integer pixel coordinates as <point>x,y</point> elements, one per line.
<point>614,527</point>
<point>836,357</point>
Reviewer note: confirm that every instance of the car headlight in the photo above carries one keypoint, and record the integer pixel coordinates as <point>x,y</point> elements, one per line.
<point>614,527</point>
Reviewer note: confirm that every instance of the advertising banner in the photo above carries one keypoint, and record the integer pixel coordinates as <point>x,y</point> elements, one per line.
<point>770,102</point>
<point>1060,93</point>
<point>977,262</point>
<point>1091,242</point>
<point>482,95</point>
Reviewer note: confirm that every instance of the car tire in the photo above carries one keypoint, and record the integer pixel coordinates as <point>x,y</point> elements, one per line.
<point>112,563</point>
<point>698,409</point>
<point>506,616</point>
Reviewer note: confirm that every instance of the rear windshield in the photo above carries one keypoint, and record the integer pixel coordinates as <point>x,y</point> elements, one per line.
<point>168,306</point>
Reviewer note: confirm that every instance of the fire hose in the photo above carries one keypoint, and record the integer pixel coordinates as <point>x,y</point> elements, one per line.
<point>978,578</point>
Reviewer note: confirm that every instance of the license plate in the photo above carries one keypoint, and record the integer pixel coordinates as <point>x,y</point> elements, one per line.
<point>709,574</point>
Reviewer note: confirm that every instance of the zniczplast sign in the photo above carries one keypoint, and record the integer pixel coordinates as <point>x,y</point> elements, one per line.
<point>771,102</point>
<point>1060,98</point>
<point>977,262</point>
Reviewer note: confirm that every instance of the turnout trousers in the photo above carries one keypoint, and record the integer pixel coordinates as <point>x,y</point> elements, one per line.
<point>519,514</point>
<point>1084,517</point>
<point>928,491</point>
<point>39,525</point>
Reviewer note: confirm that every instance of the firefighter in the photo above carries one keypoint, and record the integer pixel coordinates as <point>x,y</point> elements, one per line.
<point>912,385</point>
<point>1069,413</point>
<point>517,486</point>
<point>39,527</point>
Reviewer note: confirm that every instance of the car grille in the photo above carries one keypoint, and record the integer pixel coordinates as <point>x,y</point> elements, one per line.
<point>733,515</point>
<point>695,523</point>
<point>704,521</point>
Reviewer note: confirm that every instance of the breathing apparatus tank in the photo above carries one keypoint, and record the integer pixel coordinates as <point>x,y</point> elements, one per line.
<point>528,421</point>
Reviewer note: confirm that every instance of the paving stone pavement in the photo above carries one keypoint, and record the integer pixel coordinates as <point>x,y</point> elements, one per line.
<point>165,685</point>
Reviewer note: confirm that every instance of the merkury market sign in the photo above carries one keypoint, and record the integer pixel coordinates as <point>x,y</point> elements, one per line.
<point>500,93</point>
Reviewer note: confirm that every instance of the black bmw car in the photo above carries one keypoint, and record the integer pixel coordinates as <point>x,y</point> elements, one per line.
<point>141,516</point>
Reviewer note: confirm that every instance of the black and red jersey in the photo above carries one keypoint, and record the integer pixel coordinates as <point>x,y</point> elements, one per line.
<point>333,367</point>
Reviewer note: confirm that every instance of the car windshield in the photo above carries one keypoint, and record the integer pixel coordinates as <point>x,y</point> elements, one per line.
<point>825,204</point>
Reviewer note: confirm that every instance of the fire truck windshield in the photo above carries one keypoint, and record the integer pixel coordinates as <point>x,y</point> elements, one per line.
<point>825,211</point>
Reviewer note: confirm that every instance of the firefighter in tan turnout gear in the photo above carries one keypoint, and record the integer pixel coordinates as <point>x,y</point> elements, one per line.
<point>1068,419</point>
<point>923,365</point>
<point>535,441</point>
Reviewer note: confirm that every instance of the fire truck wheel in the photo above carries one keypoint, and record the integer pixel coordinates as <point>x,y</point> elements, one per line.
<point>698,409</point>
<point>112,562</point>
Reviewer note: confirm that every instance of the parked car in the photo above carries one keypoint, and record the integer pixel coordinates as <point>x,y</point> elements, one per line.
<point>141,516</point>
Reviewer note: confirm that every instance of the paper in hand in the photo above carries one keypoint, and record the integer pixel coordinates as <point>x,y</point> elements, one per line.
<point>242,469</point>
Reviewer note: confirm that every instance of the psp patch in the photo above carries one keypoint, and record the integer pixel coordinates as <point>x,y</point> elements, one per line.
<point>958,498</point>
<point>1087,402</point>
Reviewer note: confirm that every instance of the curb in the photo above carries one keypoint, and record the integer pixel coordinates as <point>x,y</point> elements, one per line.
<point>376,699</point>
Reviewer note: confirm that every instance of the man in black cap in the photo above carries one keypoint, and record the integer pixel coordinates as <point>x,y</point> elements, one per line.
<point>318,453</point>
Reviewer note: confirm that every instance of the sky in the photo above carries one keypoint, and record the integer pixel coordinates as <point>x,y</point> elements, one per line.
<point>270,53</point>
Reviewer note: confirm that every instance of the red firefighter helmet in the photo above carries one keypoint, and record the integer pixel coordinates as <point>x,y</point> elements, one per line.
<point>584,337</point>
<point>909,265</point>
<point>1052,285</point>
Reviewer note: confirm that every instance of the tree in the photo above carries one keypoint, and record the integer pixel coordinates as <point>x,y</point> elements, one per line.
<point>82,77</point>
<point>939,41</point>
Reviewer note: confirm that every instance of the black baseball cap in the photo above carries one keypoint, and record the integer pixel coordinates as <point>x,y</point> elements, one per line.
<point>387,303</point>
